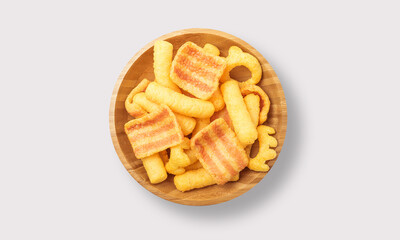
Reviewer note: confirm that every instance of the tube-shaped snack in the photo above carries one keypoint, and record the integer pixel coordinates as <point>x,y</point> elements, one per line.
<point>155,168</point>
<point>241,120</point>
<point>187,123</point>
<point>211,49</point>
<point>217,100</point>
<point>162,64</point>
<point>131,107</point>
<point>178,102</point>
<point>198,178</point>
<point>252,102</point>
<point>265,103</point>
<point>200,124</point>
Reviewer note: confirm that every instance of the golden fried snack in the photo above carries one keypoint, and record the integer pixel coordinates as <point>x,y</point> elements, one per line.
<point>187,123</point>
<point>132,108</point>
<point>265,153</point>
<point>194,166</point>
<point>211,49</point>
<point>200,124</point>
<point>164,156</point>
<point>247,89</point>
<point>162,64</point>
<point>237,57</point>
<point>196,71</point>
<point>198,178</point>
<point>217,100</point>
<point>178,159</point>
<point>252,102</point>
<point>219,151</point>
<point>241,120</point>
<point>224,115</point>
<point>178,102</point>
<point>153,132</point>
<point>155,168</point>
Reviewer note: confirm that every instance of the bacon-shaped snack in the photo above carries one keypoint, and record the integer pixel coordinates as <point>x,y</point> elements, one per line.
<point>196,71</point>
<point>219,151</point>
<point>224,115</point>
<point>154,132</point>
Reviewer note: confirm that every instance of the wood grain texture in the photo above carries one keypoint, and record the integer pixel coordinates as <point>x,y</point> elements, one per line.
<point>141,66</point>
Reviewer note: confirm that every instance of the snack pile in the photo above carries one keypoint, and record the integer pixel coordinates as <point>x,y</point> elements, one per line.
<point>195,122</point>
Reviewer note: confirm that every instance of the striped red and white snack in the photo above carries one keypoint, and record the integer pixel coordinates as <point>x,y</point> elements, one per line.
<point>224,115</point>
<point>219,151</point>
<point>196,71</point>
<point>154,132</point>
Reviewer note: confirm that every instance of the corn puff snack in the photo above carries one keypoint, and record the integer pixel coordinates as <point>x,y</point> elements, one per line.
<point>264,99</point>
<point>200,124</point>
<point>132,108</point>
<point>237,57</point>
<point>155,168</point>
<point>162,64</point>
<point>241,120</point>
<point>265,153</point>
<point>178,102</point>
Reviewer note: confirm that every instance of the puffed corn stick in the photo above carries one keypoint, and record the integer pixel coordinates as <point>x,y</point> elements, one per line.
<point>196,179</point>
<point>178,102</point>
<point>162,64</point>
<point>241,120</point>
<point>155,168</point>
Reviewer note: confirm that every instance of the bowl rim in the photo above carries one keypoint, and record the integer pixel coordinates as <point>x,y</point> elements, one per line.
<point>115,140</point>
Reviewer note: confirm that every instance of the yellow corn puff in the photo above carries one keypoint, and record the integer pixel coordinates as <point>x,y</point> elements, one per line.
<point>155,168</point>
<point>252,102</point>
<point>265,153</point>
<point>241,120</point>
<point>217,100</point>
<point>246,89</point>
<point>178,102</point>
<point>200,124</point>
<point>132,108</point>
<point>211,49</point>
<point>198,178</point>
<point>237,57</point>
<point>162,64</point>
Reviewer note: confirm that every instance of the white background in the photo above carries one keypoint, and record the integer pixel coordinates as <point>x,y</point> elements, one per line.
<point>338,173</point>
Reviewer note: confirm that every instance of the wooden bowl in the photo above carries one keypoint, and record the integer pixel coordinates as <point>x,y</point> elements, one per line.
<point>141,66</point>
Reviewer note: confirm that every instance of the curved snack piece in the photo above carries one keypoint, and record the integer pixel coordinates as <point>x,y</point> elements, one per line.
<point>241,120</point>
<point>217,100</point>
<point>178,159</point>
<point>237,57</point>
<point>187,123</point>
<point>252,102</point>
<point>132,108</point>
<point>200,124</point>
<point>265,153</point>
<point>178,102</point>
<point>219,151</point>
<point>247,89</point>
<point>196,71</point>
<point>162,64</point>
<point>211,49</point>
<point>153,132</point>
<point>155,168</point>
<point>198,178</point>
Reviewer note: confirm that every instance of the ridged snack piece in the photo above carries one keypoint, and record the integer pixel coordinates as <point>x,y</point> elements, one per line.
<point>244,127</point>
<point>154,132</point>
<point>131,107</point>
<point>163,51</point>
<point>197,71</point>
<point>178,102</point>
<point>219,151</point>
